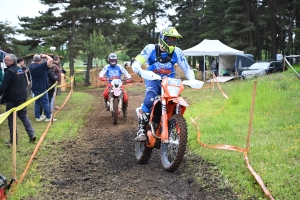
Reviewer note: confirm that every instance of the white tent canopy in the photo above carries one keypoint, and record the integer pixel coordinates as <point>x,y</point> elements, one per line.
<point>211,48</point>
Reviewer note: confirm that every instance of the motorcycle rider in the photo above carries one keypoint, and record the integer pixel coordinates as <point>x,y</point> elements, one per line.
<point>114,71</point>
<point>160,59</point>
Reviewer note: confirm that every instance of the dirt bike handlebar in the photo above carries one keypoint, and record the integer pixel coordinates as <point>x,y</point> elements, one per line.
<point>150,75</point>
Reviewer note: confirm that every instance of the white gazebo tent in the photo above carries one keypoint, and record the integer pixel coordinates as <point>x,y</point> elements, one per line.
<point>225,53</point>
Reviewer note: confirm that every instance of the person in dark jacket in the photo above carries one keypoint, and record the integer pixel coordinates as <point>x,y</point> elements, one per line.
<point>21,63</point>
<point>51,81</point>
<point>14,86</point>
<point>52,78</point>
<point>39,79</point>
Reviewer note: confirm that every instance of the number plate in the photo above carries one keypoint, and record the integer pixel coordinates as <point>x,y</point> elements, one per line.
<point>173,81</point>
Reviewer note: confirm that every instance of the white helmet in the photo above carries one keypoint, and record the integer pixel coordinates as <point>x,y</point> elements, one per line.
<point>112,59</point>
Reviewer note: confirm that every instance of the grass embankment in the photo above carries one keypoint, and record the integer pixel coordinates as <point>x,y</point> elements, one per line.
<point>275,142</point>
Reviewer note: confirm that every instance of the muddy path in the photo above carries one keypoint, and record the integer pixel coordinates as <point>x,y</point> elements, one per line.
<point>100,164</point>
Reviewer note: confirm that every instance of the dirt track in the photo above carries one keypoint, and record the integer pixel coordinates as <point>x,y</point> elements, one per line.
<point>104,167</point>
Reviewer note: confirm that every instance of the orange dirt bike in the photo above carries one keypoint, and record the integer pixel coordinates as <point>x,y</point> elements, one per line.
<point>167,128</point>
<point>115,99</point>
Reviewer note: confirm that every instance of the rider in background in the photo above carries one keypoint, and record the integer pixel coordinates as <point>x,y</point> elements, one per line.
<point>160,59</point>
<point>114,71</point>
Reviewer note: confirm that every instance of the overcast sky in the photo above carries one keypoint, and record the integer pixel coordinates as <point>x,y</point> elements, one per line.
<point>11,9</point>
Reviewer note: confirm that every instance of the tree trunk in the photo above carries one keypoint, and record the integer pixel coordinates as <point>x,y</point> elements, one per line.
<point>275,41</point>
<point>88,68</point>
<point>297,33</point>
<point>71,51</point>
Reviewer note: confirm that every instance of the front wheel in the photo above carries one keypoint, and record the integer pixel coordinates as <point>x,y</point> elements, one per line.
<point>116,110</point>
<point>142,152</point>
<point>172,152</point>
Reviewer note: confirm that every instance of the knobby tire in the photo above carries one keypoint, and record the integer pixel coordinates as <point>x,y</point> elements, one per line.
<point>172,153</point>
<point>142,152</point>
<point>116,110</point>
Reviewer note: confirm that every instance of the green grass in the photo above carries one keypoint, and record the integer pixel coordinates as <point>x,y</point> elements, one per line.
<point>63,129</point>
<point>274,151</point>
<point>275,143</point>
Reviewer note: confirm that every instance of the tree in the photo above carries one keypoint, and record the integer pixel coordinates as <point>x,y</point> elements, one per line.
<point>188,21</point>
<point>7,41</point>
<point>95,46</point>
<point>238,28</point>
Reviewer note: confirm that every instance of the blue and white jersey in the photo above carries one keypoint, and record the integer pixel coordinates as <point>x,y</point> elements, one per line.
<point>114,72</point>
<point>148,54</point>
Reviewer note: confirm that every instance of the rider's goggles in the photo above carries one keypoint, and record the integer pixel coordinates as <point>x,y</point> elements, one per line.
<point>171,41</point>
<point>113,60</point>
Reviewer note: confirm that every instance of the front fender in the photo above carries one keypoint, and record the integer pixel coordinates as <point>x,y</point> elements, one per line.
<point>183,104</point>
<point>180,101</point>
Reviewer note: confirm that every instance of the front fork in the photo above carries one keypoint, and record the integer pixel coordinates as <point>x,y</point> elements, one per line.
<point>164,121</point>
<point>164,118</point>
<point>111,103</point>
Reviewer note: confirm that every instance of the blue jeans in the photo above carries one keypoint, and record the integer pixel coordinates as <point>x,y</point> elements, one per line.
<point>44,101</point>
<point>22,115</point>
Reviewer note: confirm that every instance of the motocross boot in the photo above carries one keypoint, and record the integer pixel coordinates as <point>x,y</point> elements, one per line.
<point>106,106</point>
<point>125,106</point>
<point>143,121</point>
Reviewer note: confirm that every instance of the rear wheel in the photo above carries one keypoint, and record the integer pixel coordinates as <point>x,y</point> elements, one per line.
<point>172,152</point>
<point>116,110</point>
<point>142,152</point>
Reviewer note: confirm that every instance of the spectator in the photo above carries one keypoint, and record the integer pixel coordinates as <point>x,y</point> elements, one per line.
<point>214,66</point>
<point>39,78</point>
<point>202,66</point>
<point>14,87</point>
<point>132,60</point>
<point>51,81</point>
<point>57,72</point>
<point>189,61</point>
<point>52,78</point>
<point>63,71</point>
<point>20,63</point>
<point>63,79</point>
<point>1,76</point>
<point>279,56</point>
<point>2,100</point>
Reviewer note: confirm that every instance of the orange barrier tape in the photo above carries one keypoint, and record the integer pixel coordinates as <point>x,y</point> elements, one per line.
<point>66,84</point>
<point>64,103</point>
<point>219,86</point>
<point>235,148</point>
<point>257,177</point>
<point>239,149</point>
